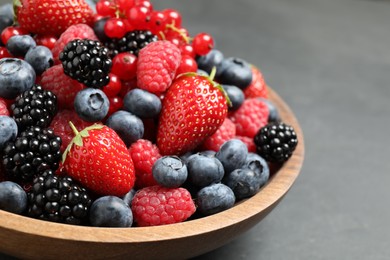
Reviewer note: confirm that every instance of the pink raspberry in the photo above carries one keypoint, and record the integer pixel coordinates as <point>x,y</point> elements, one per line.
<point>61,127</point>
<point>250,117</point>
<point>77,31</point>
<point>63,86</point>
<point>258,87</point>
<point>3,108</point>
<point>156,205</point>
<point>224,133</point>
<point>157,65</point>
<point>249,143</point>
<point>144,154</point>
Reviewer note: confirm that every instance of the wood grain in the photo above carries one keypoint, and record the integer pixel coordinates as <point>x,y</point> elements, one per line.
<point>28,238</point>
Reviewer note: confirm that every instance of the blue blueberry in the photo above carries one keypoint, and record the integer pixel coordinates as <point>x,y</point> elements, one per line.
<point>273,115</point>
<point>184,157</point>
<point>208,153</point>
<point>110,211</point>
<point>6,16</point>
<point>259,165</point>
<point>234,71</point>
<point>12,197</point>
<point>128,198</point>
<point>16,76</point>
<point>19,45</point>
<point>244,182</point>
<point>40,58</point>
<point>215,198</point>
<point>9,130</point>
<point>142,103</point>
<point>213,59</point>
<point>170,171</point>
<point>91,104</point>
<point>232,155</point>
<point>236,96</point>
<point>128,126</point>
<point>204,170</point>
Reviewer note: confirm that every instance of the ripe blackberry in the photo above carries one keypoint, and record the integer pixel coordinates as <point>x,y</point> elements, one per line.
<point>132,42</point>
<point>34,107</point>
<point>87,61</point>
<point>33,151</point>
<point>276,142</point>
<point>58,199</point>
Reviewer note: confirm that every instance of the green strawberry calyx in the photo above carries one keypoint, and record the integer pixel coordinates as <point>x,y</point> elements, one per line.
<point>210,79</point>
<point>78,137</point>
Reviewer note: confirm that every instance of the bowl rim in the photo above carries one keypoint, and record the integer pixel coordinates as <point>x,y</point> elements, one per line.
<point>275,189</point>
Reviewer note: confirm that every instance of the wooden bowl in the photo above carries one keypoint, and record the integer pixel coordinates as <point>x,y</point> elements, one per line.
<point>35,239</point>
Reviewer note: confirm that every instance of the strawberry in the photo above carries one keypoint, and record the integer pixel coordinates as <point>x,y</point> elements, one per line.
<point>193,108</point>
<point>52,17</point>
<point>100,161</point>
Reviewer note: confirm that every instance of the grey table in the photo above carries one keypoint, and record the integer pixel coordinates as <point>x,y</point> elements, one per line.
<point>330,61</point>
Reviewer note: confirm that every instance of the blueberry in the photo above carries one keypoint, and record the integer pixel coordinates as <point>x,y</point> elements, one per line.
<point>273,115</point>
<point>128,198</point>
<point>98,28</point>
<point>6,16</point>
<point>208,153</point>
<point>110,211</point>
<point>213,59</point>
<point>236,96</point>
<point>244,182</point>
<point>16,76</point>
<point>142,103</point>
<point>204,170</point>
<point>232,155</point>
<point>128,126</point>
<point>12,197</point>
<point>259,165</point>
<point>18,45</point>
<point>215,198</point>
<point>202,73</point>
<point>234,71</point>
<point>170,171</point>
<point>91,104</point>
<point>9,130</point>
<point>40,58</point>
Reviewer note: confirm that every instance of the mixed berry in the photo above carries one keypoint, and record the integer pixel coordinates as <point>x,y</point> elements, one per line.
<point>121,118</point>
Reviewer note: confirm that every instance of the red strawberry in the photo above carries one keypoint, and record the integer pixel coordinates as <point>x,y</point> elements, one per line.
<point>52,17</point>
<point>63,86</point>
<point>100,161</point>
<point>144,154</point>
<point>250,117</point>
<point>193,108</point>
<point>258,87</point>
<point>224,133</point>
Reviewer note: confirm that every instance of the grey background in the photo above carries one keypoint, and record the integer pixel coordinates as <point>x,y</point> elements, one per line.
<point>330,61</point>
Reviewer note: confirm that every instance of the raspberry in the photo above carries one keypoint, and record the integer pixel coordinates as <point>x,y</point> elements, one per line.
<point>78,31</point>
<point>64,87</point>
<point>249,143</point>
<point>61,127</point>
<point>224,133</point>
<point>157,65</point>
<point>157,205</point>
<point>144,154</point>
<point>250,117</point>
<point>3,108</point>
<point>258,87</point>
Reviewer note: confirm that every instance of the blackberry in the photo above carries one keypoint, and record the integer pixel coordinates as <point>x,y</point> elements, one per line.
<point>132,42</point>
<point>87,61</point>
<point>33,151</point>
<point>58,199</point>
<point>276,142</point>
<point>34,107</point>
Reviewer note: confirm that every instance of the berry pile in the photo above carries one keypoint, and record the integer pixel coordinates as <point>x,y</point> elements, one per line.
<point>120,118</point>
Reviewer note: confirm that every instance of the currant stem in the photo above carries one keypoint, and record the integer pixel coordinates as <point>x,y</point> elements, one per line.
<point>213,73</point>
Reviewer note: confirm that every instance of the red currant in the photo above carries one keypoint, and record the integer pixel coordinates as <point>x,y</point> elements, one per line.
<point>144,3</point>
<point>10,31</point>
<point>187,64</point>
<point>173,17</point>
<point>113,87</point>
<point>106,8</point>
<point>116,103</point>
<point>138,17</point>
<point>187,49</point>
<point>124,65</point>
<point>202,43</point>
<point>127,86</point>
<point>46,40</point>
<point>157,22</point>
<point>125,5</point>
<point>115,28</point>
<point>4,53</point>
